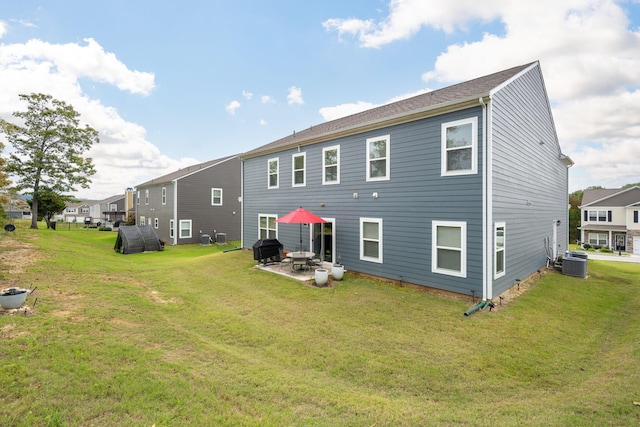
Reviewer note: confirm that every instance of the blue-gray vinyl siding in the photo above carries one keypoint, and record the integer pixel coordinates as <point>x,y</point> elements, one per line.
<point>529,180</point>
<point>194,203</point>
<point>415,195</point>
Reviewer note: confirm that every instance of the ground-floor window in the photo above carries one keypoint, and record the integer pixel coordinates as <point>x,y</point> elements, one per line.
<point>155,223</point>
<point>449,248</point>
<point>171,228</point>
<point>185,228</point>
<point>598,239</point>
<point>499,241</point>
<point>267,226</point>
<point>371,239</point>
<point>143,220</point>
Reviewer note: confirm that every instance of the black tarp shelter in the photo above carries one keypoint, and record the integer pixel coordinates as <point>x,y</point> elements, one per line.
<point>134,239</point>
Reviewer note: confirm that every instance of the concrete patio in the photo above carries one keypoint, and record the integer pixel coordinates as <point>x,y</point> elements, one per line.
<point>284,269</point>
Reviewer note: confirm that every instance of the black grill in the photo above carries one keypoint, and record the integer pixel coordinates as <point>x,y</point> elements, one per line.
<point>267,250</point>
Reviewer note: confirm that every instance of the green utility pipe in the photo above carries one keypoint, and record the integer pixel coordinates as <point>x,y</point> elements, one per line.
<point>479,306</point>
<point>229,250</point>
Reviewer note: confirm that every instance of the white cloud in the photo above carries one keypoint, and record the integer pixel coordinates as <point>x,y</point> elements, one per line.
<point>343,110</point>
<point>247,95</point>
<point>232,107</point>
<point>587,50</point>
<point>124,157</point>
<point>295,96</point>
<point>3,28</point>
<point>266,99</point>
<point>263,122</point>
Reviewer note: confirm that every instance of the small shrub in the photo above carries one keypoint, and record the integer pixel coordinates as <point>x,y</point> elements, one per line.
<point>606,250</point>
<point>104,229</point>
<point>586,246</point>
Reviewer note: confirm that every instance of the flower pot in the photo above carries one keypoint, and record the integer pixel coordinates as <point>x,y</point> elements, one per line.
<point>13,298</point>
<point>337,271</point>
<point>322,276</point>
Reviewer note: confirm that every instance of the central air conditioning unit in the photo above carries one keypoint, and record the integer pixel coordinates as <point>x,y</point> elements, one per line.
<point>221,238</point>
<point>574,266</point>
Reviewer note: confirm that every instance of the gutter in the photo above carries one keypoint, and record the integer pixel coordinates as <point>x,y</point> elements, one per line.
<point>487,205</point>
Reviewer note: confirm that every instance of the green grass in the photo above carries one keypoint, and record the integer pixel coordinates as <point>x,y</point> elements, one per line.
<point>194,336</point>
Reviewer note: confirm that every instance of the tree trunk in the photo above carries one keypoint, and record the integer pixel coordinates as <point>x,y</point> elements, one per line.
<point>34,211</point>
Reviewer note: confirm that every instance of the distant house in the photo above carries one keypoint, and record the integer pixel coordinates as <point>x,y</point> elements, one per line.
<point>185,205</point>
<point>463,189</point>
<point>112,209</point>
<point>79,211</point>
<point>610,219</point>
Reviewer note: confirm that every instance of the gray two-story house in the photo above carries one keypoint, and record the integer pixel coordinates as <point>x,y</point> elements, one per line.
<point>463,189</point>
<point>202,199</point>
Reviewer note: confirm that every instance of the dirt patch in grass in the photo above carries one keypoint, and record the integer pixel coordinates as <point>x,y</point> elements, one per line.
<point>16,256</point>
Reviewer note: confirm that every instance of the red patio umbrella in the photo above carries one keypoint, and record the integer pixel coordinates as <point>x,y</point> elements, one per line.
<point>300,216</point>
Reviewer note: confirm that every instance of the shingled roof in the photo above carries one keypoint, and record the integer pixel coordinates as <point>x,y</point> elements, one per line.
<point>397,112</point>
<point>184,172</point>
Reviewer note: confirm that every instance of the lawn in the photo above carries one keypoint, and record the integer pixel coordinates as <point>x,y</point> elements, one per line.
<point>195,336</point>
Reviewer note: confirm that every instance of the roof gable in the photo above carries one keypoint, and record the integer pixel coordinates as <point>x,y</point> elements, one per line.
<point>402,111</point>
<point>181,173</point>
<point>611,197</point>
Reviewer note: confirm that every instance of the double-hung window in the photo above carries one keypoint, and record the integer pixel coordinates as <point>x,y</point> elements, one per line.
<point>460,147</point>
<point>273,172</point>
<point>267,226</point>
<point>499,242</point>
<point>598,239</point>
<point>331,165</point>
<point>599,216</point>
<point>113,207</point>
<point>298,174</point>
<point>449,248</point>
<point>164,195</point>
<point>155,223</point>
<point>146,197</point>
<point>171,228</point>
<point>216,197</point>
<point>185,229</point>
<point>378,158</point>
<point>143,220</point>
<point>371,239</point>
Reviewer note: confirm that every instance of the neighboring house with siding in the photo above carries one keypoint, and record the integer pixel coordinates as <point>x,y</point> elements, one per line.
<point>610,218</point>
<point>463,189</point>
<point>78,211</point>
<point>200,199</point>
<point>112,209</point>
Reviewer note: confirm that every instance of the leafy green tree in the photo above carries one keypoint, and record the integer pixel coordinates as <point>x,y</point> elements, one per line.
<point>49,148</point>
<point>50,204</point>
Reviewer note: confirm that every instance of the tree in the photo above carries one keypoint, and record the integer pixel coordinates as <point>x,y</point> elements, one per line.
<point>49,148</point>
<point>50,204</point>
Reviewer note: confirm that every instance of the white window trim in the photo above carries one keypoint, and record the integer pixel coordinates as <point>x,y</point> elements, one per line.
<point>213,203</point>
<point>185,221</point>
<point>597,215</point>
<point>380,230</point>
<point>146,197</point>
<point>304,169</point>
<point>387,139</point>
<point>113,207</point>
<point>143,220</point>
<point>164,195</point>
<point>325,166</point>
<point>463,248</point>
<point>496,273</point>
<point>172,228</point>
<point>138,197</point>
<point>260,215</point>
<point>474,147</point>
<point>606,239</point>
<point>277,160</point>
<point>155,223</point>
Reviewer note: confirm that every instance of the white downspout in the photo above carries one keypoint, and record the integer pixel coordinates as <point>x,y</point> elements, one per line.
<point>487,288</point>
<point>176,224</point>
<point>242,203</point>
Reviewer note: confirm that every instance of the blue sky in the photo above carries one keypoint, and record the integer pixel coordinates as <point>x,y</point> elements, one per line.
<point>169,84</point>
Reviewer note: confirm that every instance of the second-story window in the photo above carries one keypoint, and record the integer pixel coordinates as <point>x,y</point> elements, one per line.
<point>164,195</point>
<point>378,158</point>
<point>298,173</point>
<point>146,197</point>
<point>274,170</point>
<point>331,165</point>
<point>216,197</point>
